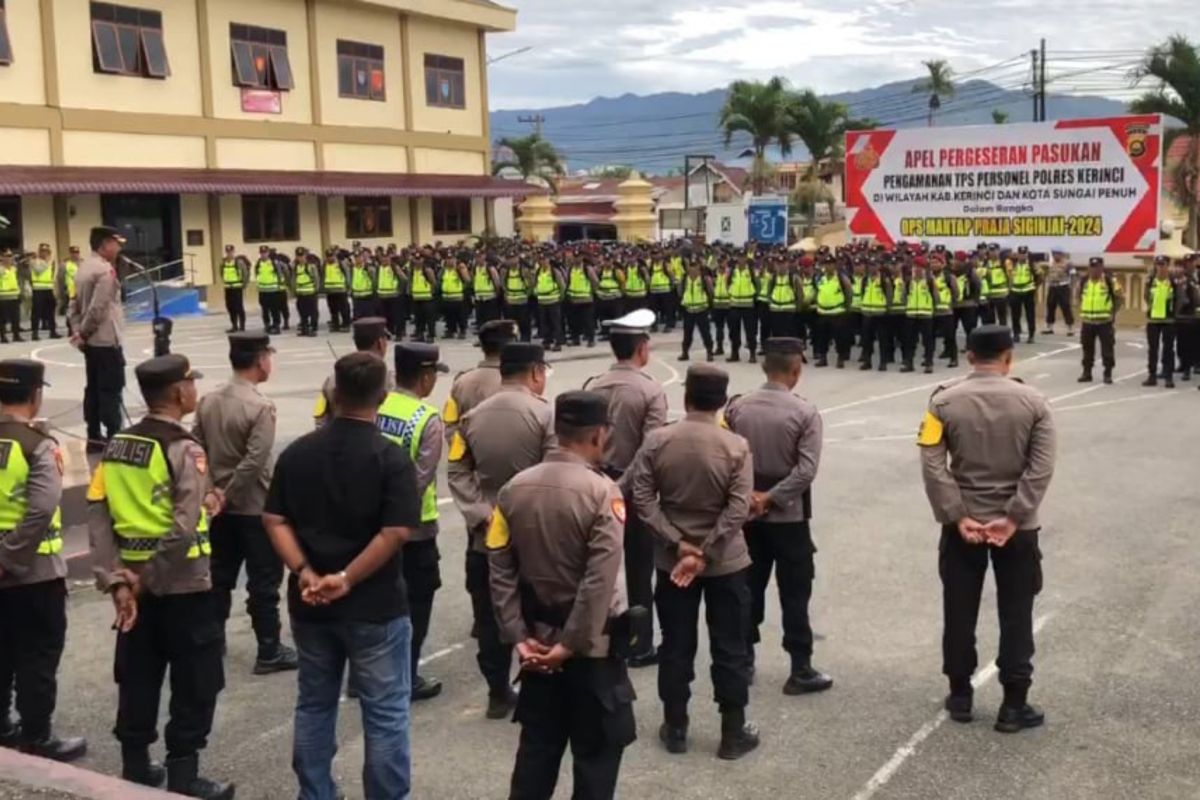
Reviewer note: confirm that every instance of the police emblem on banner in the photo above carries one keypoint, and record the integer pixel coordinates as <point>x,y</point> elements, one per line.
<point>1135,140</point>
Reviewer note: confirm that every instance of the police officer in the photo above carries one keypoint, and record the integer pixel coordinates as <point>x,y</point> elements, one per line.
<point>409,421</point>
<point>271,298</point>
<point>306,282</point>
<point>148,523</point>
<point>835,295</point>
<point>1099,301</point>
<point>43,304</point>
<point>10,298</point>
<point>695,299</point>
<point>998,284</point>
<point>921,301</point>
<point>33,590</point>
<point>362,286</point>
<point>66,283</point>
<point>510,431</point>
<point>422,290</point>
<point>472,387</point>
<point>97,320</point>
<point>1023,296</point>
<point>743,317</point>
<point>692,483</point>
<point>999,436</point>
<point>554,553</point>
<point>785,433</point>
<point>581,293</point>
<point>1161,294</point>
<point>1059,275</point>
<point>236,427</point>
<point>516,296</point>
<point>485,283</point>
<point>370,336</point>
<point>333,284</point>
<point>234,272</point>
<point>453,295</point>
<point>389,283</point>
<point>637,405</point>
<point>549,288</point>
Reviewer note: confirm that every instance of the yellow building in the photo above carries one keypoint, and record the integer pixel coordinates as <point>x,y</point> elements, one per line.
<point>191,124</point>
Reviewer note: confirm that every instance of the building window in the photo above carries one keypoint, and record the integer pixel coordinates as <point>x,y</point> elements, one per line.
<point>10,234</point>
<point>5,42</point>
<point>451,215</point>
<point>444,82</point>
<point>270,218</point>
<point>360,70</point>
<point>128,41</point>
<point>368,217</point>
<point>260,58</point>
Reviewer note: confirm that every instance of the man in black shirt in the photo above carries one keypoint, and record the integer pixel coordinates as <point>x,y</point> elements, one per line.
<point>342,502</point>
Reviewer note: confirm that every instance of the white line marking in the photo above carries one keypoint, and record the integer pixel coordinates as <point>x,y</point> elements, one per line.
<point>1136,345</point>
<point>1041,376</point>
<point>847,422</point>
<point>445,651</point>
<point>1097,387</point>
<point>1098,403</point>
<point>909,748</point>
<point>445,501</point>
<point>674,373</point>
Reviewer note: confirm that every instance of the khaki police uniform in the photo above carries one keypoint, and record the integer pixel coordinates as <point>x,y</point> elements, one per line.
<point>96,317</point>
<point>469,389</point>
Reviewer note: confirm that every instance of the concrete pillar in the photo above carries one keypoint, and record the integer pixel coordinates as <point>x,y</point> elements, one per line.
<point>635,219</point>
<point>537,220</point>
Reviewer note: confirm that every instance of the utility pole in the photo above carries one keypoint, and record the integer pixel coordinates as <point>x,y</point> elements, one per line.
<point>1042,80</point>
<point>1033,55</point>
<point>536,121</point>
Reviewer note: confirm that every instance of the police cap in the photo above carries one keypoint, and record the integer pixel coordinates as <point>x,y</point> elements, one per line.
<point>706,381</point>
<point>784,346</point>
<point>1095,261</point>
<point>1162,261</point>
<point>497,332</point>
<point>372,328</point>
<point>250,342</point>
<point>581,409</point>
<point>163,371</point>
<point>24,372</point>
<point>989,341</point>
<point>414,356</point>
<point>522,354</point>
<point>635,323</point>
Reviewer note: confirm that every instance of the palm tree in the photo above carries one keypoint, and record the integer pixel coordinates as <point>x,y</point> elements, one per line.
<point>999,117</point>
<point>821,125</point>
<point>535,158</point>
<point>1174,67</point>
<point>759,109</point>
<point>939,84</point>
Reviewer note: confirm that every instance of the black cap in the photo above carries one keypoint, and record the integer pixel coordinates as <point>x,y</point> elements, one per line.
<point>370,326</point>
<point>1162,261</point>
<point>22,372</point>
<point>785,346</point>
<point>705,381</point>
<point>252,342</point>
<point>103,232</point>
<point>1095,261</point>
<point>581,409</point>
<point>413,356</point>
<point>497,332</point>
<point>163,371</point>
<point>989,341</point>
<point>522,354</point>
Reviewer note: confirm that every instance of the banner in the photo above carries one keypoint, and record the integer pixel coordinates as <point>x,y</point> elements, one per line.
<point>1087,185</point>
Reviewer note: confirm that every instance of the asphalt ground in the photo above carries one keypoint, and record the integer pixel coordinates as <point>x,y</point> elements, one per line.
<point>1116,622</point>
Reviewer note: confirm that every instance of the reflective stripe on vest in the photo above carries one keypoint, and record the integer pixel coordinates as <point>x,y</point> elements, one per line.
<point>231,276</point>
<point>10,289</point>
<point>831,296</point>
<point>42,280</point>
<point>997,281</point>
<point>1162,292</point>
<point>964,291</point>
<point>305,283</point>
<point>335,278</point>
<point>547,288</point>
<point>1096,304</point>
<point>421,288</point>
<point>783,294</point>
<point>14,500</point>
<point>482,284</point>
<point>920,300</point>
<point>634,285</point>
<point>579,288</point>
<point>402,419</point>
<point>1022,279</point>
<point>695,299</point>
<point>609,287</point>
<point>897,294</point>
<point>874,299</point>
<point>660,281</point>
<point>741,289</point>
<point>452,285</point>
<point>945,296</point>
<point>856,293</point>
<point>389,284</point>
<point>71,269</point>
<point>514,283</point>
<point>721,295</point>
<point>361,284</point>
<point>266,277</point>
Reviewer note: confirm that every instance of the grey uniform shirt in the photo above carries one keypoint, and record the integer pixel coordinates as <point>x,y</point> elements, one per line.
<point>19,558</point>
<point>637,405</point>
<point>692,481</point>
<point>784,433</point>
<point>987,450</point>
<point>470,388</point>
<point>236,427</point>
<point>95,312</point>
<point>169,570</point>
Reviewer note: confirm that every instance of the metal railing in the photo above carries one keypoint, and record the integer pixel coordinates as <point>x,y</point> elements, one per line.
<point>146,273</point>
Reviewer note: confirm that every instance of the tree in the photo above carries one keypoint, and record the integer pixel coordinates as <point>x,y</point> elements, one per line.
<point>999,117</point>
<point>621,171</point>
<point>1174,68</point>
<point>821,125</point>
<point>535,158</point>
<point>760,110</point>
<point>939,84</point>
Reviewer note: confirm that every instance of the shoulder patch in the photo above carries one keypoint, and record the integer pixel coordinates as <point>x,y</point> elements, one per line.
<point>200,459</point>
<point>450,410</point>
<point>458,448</point>
<point>321,408</point>
<point>497,532</point>
<point>931,431</point>
<point>618,509</point>
<point>97,491</point>
<point>58,461</point>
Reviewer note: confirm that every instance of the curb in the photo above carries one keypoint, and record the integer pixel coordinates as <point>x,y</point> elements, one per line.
<point>45,774</point>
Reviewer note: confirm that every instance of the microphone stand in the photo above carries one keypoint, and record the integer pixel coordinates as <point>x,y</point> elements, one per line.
<point>161,326</point>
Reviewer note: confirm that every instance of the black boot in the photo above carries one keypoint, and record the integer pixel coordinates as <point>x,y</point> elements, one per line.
<point>908,367</point>
<point>673,737</point>
<point>708,356</point>
<point>733,358</point>
<point>53,748</point>
<point>682,356</point>
<point>822,361</point>
<point>275,657</point>
<point>738,737</point>
<point>960,700</point>
<point>753,359</point>
<point>137,767</point>
<point>500,706</point>
<point>1151,381</point>
<point>841,363</point>
<point>806,680</point>
<point>1086,377</point>
<point>1108,376</point>
<point>865,366</point>
<point>8,731</point>
<point>1169,382</point>
<point>183,778</point>
<point>425,688</point>
<point>952,363</point>
<point>1186,374</point>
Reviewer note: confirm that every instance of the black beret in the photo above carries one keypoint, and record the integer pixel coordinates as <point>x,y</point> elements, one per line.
<point>370,326</point>
<point>522,354</point>
<point>22,372</point>
<point>498,331</point>
<point>162,371</point>
<point>989,341</point>
<point>581,409</point>
<point>250,342</point>
<point>706,381</point>
<point>412,356</point>
<point>103,232</point>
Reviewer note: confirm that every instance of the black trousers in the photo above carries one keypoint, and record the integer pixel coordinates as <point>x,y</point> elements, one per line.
<point>786,547</point>
<point>987,313</point>
<point>455,314</point>
<point>606,310</point>
<point>1059,297</point>
<point>1161,333</point>
<point>945,327</point>
<point>105,374</point>
<point>873,327</point>
<point>894,333</point>
<point>33,631</point>
<point>1187,344</point>
<point>918,329</point>
<point>720,320</point>
<point>662,306</point>
<point>727,612</point>
<point>494,656</point>
<point>589,705</point>
<point>743,319</point>
<point>1023,302</point>
<point>519,313</point>
<point>272,305</point>
<point>235,305</point>
<point>388,307</point>
<point>781,323</point>
<point>309,311</point>
<point>285,309</point>
<point>241,539</point>
<point>806,324</point>
<point>633,303</point>
<point>692,321</point>
<point>339,310</point>
<point>550,323</point>
<point>1000,309</point>
<point>424,318</point>
<point>639,577</point>
<point>10,318</point>
<point>366,307</point>
<point>422,579</point>
<point>181,632</point>
<point>835,330</point>
<point>42,305</point>
<point>582,321</point>
<point>1108,344</point>
<point>1018,568</point>
<point>966,317</point>
<point>486,311</point>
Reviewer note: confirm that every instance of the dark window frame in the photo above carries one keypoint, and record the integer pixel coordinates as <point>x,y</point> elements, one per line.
<point>451,216</point>
<point>12,236</point>
<point>353,57</point>
<point>250,45</point>
<point>451,70</point>
<point>265,215</point>
<point>128,41</point>
<point>357,209</point>
<point>6,52</point>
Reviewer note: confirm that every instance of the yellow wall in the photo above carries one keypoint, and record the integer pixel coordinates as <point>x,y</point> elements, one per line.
<point>401,216</point>
<point>366,25</point>
<point>88,149</point>
<point>23,81</point>
<point>365,158</point>
<point>37,222</point>
<point>80,86</point>
<point>265,154</point>
<point>231,228</point>
<point>29,146</point>
<point>425,222</point>
<point>285,15</point>
<point>193,215</point>
<point>86,217</point>
<point>447,162</point>
<point>445,39</point>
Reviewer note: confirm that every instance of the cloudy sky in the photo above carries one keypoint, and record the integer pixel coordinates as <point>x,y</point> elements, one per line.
<point>587,48</point>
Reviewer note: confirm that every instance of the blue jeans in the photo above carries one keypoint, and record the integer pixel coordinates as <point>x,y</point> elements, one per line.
<point>379,667</point>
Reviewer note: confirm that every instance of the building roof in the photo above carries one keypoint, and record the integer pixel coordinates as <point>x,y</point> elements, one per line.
<point>92,180</point>
<point>734,176</point>
<point>590,190</point>
<point>1175,153</point>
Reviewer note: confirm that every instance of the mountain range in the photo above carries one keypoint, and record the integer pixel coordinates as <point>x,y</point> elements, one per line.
<point>654,132</point>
